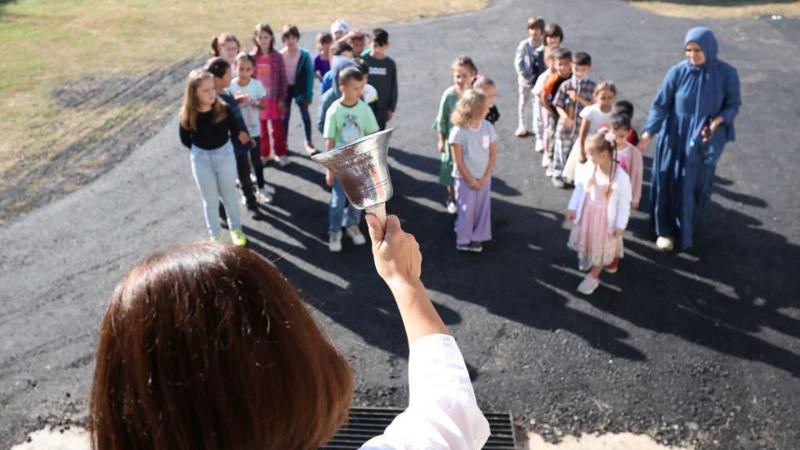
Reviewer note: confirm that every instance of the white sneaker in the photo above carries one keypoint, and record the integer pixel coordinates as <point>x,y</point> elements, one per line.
<point>335,241</point>
<point>451,207</point>
<point>665,244</point>
<point>355,234</point>
<point>263,196</point>
<point>282,161</point>
<point>588,285</point>
<point>539,146</point>
<point>253,178</point>
<point>545,159</point>
<point>244,200</point>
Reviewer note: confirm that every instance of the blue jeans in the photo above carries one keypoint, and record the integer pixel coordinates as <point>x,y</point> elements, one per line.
<point>303,107</point>
<point>340,212</point>
<point>215,175</point>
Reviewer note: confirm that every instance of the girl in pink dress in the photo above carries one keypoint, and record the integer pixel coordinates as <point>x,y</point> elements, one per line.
<point>599,209</point>
<point>629,157</point>
<point>271,72</point>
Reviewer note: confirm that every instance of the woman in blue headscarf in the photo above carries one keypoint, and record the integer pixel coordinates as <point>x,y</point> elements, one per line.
<point>693,116</point>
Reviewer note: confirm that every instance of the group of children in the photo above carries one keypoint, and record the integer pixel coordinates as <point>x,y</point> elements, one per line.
<point>238,100</point>
<point>587,142</point>
<point>584,134</point>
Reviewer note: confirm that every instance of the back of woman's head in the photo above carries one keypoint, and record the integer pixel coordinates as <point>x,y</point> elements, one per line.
<point>206,346</point>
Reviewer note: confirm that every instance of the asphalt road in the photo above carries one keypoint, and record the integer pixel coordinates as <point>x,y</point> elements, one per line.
<point>700,347</point>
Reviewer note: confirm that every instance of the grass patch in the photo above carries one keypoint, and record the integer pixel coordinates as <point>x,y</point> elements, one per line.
<point>51,43</point>
<point>720,9</point>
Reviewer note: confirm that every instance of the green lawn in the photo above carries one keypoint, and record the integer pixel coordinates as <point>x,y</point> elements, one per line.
<point>47,43</point>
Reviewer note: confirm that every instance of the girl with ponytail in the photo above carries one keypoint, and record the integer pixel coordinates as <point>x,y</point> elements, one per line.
<point>599,209</point>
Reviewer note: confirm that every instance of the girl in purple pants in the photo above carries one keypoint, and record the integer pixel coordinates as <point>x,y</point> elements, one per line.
<point>474,144</point>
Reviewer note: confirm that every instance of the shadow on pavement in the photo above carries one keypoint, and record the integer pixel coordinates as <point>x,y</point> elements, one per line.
<point>714,296</point>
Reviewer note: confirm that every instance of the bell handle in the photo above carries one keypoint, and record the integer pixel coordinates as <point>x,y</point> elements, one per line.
<point>379,211</point>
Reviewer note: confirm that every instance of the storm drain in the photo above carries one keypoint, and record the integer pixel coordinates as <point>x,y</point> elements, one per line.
<point>366,423</point>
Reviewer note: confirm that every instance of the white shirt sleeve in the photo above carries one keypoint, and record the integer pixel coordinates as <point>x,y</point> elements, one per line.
<point>442,412</point>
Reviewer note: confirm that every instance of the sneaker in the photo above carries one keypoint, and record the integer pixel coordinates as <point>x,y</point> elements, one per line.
<point>451,206</point>
<point>216,237</point>
<point>545,159</point>
<point>588,285</point>
<point>463,247</point>
<point>335,241</point>
<point>558,182</point>
<point>613,267</point>
<point>665,244</point>
<point>253,178</point>
<point>539,146</point>
<point>282,161</point>
<point>244,200</point>
<point>472,247</point>
<point>355,234</point>
<point>263,196</point>
<point>238,238</point>
<point>521,132</point>
<point>310,150</point>
<point>476,247</point>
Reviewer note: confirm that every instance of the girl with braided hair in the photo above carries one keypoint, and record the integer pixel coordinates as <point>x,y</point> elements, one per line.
<point>599,209</point>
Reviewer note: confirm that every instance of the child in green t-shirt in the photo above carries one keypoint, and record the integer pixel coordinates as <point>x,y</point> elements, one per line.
<point>347,120</point>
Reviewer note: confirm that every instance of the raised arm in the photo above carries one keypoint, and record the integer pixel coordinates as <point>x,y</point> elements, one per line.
<point>443,412</point>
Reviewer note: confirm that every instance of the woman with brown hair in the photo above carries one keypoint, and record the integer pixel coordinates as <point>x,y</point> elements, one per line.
<point>206,346</point>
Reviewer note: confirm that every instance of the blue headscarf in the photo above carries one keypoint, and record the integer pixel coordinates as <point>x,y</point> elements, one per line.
<point>710,92</point>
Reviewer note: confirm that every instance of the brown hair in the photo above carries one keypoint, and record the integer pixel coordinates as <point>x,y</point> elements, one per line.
<point>469,105</point>
<point>190,107</point>
<point>482,83</point>
<point>221,39</point>
<point>265,28</point>
<point>535,22</point>
<point>466,61</point>
<point>324,38</point>
<point>206,346</point>
<point>606,86</point>
<point>553,30</point>
<point>349,74</point>
<point>290,30</point>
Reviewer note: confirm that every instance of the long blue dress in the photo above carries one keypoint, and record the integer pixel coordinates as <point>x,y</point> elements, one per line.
<point>684,166</point>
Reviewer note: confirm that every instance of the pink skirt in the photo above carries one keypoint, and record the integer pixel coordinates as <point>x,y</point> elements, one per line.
<point>592,238</point>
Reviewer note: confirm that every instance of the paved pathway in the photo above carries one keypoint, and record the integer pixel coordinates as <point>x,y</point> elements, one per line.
<point>703,345</point>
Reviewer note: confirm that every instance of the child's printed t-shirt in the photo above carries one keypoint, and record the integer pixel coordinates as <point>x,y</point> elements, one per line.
<point>345,124</point>
<point>475,144</point>
<point>597,118</point>
<point>250,114</point>
<point>263,73</point>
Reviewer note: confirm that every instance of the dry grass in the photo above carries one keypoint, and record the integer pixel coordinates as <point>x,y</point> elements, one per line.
<point>721,9</point>
<point>47,43</point>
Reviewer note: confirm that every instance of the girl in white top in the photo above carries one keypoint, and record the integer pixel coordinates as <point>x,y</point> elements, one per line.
<point>595,116</point>
<point>599,209</point>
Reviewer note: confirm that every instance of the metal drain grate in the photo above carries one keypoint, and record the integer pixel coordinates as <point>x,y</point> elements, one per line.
<point>366,423</point>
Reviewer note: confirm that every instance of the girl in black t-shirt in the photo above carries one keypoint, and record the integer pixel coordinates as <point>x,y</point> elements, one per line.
<point>207,125</point>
